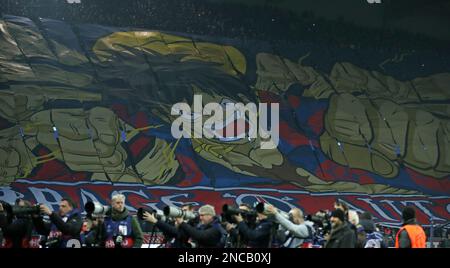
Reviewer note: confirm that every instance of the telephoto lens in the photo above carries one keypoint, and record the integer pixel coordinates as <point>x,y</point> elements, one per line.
<point>94,208</point>
<point>174,212</point>
<point>158,213</point>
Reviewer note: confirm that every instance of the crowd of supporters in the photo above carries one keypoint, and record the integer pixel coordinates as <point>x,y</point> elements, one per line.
<point>224,19</point>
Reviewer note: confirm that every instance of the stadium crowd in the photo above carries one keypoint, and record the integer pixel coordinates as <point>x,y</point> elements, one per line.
<point>223,19</point>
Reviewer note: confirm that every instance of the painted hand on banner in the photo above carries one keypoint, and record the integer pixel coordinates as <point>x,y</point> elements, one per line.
<point>86,141</point>
<point>373,121</point>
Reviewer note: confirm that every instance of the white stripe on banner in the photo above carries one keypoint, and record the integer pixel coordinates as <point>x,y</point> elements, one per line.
<point>206,188</point>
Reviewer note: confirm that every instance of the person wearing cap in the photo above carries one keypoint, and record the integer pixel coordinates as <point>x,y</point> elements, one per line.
<point>64,227</point>
<point>411,235</point>
<point>341,235</point>
<point>209,233</point>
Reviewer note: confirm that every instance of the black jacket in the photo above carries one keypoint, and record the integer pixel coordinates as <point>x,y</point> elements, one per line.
<point>342,237</point>
<point>179,236</point>
<point>211,235</point>
<point>70,228</point>
<point>16,229</point>
<point>3,219</point>
<point>260,236</point>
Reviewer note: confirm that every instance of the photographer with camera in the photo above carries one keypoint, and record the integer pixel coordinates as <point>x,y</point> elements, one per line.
<point>261,235</point>
<point>235,239</point>
<point>299,233</point>
<point>63,230</point>
<point>175,238</point>
<point>120,229</point>
<point>17,226</point>
<point>208,233</point>
<point>89,235</point>
<point>91,230</point>
<point>322,226</point>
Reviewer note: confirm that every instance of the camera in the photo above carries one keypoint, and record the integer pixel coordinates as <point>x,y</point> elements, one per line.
<point>15,210</point>
<point>51,243</point>
<point>263,209</point>
<point>158,213</point>
<point>229,211</point>
<point>321,220</point>
<point>174,212</point>
<point>97,209</point>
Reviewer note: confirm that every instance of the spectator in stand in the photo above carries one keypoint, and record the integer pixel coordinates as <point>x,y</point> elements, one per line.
<point>368,236</point>
<point>341,235</point>
<point>445,243</point>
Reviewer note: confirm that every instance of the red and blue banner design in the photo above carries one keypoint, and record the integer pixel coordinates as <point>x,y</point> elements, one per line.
<point>385,208</point>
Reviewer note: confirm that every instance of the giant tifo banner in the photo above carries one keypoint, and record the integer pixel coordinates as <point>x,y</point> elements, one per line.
<point>85,111</point>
